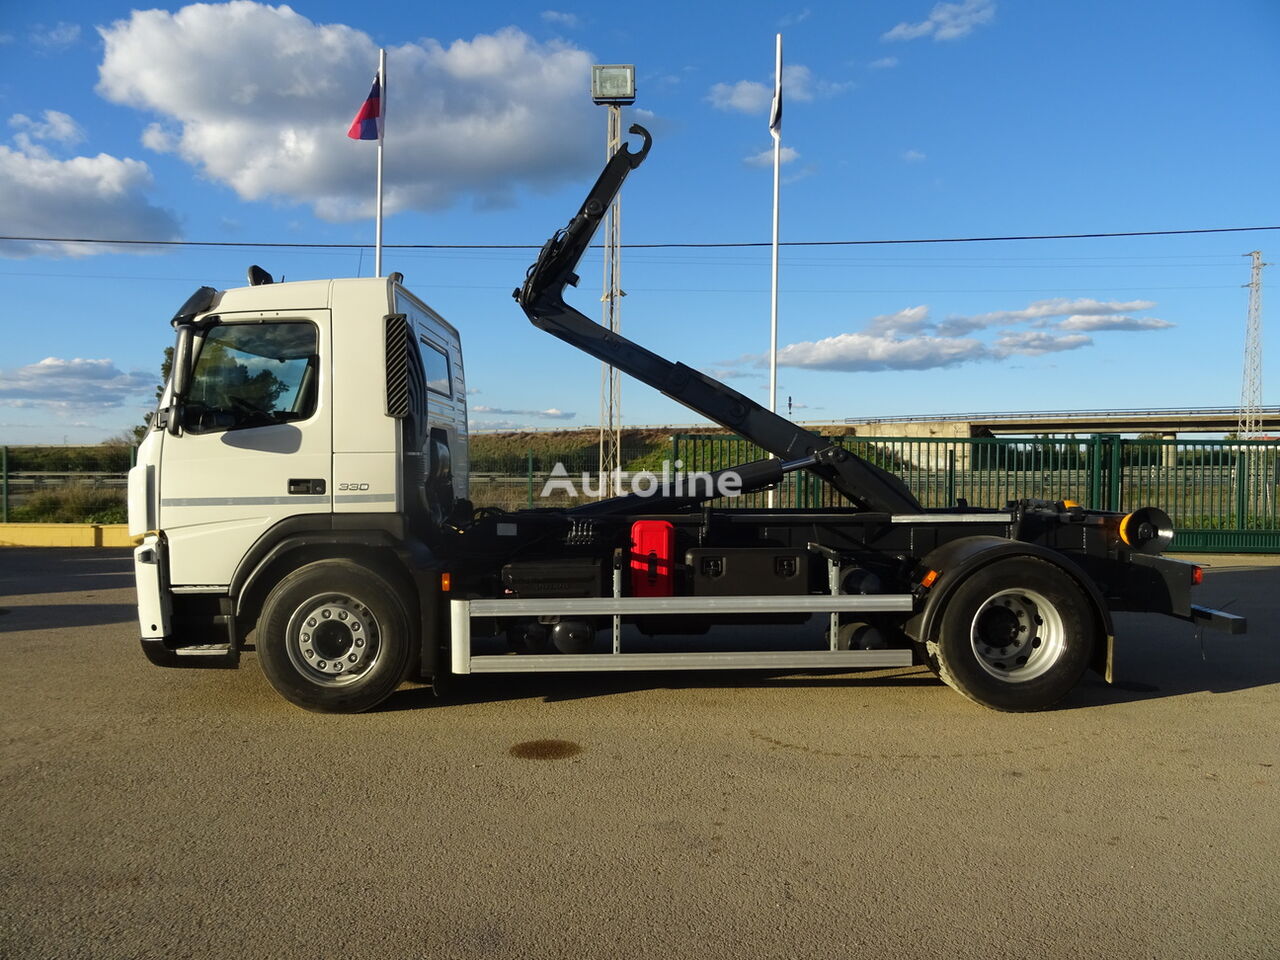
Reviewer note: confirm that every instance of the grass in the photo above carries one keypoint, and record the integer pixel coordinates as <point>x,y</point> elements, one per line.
<point>72,503</point>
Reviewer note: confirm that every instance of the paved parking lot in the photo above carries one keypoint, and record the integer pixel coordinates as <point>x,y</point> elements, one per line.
<point>194,813</point>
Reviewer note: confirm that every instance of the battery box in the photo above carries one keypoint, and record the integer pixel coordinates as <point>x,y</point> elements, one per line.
<point>748,571</point>
<point>574,577</point>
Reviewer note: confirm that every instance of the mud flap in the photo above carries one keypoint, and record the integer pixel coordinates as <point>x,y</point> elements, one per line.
<point>1103,663</point>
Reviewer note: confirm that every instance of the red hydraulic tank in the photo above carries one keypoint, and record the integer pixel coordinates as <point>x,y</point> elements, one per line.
<point>653,554</point>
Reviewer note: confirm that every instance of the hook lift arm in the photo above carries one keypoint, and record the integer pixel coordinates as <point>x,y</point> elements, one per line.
<point>542,299</point>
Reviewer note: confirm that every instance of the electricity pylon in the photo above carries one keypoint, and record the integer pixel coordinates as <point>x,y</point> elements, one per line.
<point>1251,380</point>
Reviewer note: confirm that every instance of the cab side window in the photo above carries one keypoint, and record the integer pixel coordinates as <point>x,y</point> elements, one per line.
<point>435,363</point>
<point>254,375</point>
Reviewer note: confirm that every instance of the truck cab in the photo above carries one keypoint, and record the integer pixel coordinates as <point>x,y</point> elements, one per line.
<point>270,449</point>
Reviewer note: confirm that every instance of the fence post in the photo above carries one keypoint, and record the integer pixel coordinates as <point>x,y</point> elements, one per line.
<point>4,472</point>
<point>1242,489</point>
<point>530,464</point>
<point>1095,472</point>
<point>951,478</point>
<point>1117,475</point>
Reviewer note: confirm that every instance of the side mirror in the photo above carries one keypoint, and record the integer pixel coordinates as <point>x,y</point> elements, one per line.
<point>182,361</point>
<point>181,376</point>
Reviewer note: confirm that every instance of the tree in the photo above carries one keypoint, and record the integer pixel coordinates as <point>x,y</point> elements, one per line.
<point>134,435</point>
<point>228,383</point>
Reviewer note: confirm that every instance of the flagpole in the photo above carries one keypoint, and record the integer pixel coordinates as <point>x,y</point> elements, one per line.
<point>773,312</point>
<point>775,128</point>
<point>382,126</point>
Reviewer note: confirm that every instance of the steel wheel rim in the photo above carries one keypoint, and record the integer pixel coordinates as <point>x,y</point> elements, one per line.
<point>1017,635</point>
<point>333,639</point>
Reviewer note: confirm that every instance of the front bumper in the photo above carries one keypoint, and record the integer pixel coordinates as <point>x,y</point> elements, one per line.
<point>155,611</point>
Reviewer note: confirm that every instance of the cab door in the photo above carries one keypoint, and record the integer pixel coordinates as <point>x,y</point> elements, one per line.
<point>255,445</point>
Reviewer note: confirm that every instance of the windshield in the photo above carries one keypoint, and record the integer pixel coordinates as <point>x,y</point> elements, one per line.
<point>253,375</point>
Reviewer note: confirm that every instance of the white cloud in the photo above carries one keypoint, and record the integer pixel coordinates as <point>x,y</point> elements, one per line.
<point>1032,343</point>
<point>749,96</point>
<point>909,340</point>
<point>947,21</point>
<point>745,96</point>
<point>765,157</point>
<point>265,109</point>
<point>860,352</point>
<point>93,197</point>
<point>6,38</point>
<point>503,424</point>
<point>560,19</point>
<point>796,176</point>
<point>1079,322</point>
<point>58,36</point>
<point>657,125</point>
<point>1088,306</point>
<point>799,83</point>
<point>733,373</point>
<point>1043,311</point>
<point>56,127</point>
<point>791,19</point>
<point>884,63</point>
<point>959,326</point>
<point>911,320</point>
<point>913,156</point>
<point>660,80</point>
<point>157,138</point>
<point>550,414</point>
<point>56,382</point>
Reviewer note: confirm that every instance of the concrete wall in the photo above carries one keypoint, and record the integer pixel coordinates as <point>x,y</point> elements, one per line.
<point>65,535</point>
<point>928,457</point>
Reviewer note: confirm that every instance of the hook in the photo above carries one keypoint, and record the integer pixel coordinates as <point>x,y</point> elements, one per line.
<point>635,159</point>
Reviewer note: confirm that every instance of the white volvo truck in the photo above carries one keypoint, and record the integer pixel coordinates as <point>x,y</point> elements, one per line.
<point>305,477</point>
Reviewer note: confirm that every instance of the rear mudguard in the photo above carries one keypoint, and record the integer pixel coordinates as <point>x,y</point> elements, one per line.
<point>956,560</point>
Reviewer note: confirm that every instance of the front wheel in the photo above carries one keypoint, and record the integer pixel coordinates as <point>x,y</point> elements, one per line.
<point>334,637</point>
<point>1016,635</point>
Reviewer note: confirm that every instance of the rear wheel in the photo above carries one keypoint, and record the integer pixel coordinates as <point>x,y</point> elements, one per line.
<point>1016,635</point>
<point>334,637</point>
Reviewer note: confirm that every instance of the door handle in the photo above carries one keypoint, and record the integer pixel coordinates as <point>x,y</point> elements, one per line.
<point>307,487</point>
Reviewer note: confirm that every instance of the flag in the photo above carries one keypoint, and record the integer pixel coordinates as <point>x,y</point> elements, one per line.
<point>775,112</point>
<point>368,122</point>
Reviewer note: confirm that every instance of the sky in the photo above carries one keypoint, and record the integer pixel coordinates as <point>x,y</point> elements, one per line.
<point>904,120</point>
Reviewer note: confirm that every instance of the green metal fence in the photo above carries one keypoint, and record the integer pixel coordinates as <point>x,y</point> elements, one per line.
<point>1222,494</point>
<point>519,478</point>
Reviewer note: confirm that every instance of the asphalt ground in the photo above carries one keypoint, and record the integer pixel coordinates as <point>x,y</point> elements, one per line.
<point>194,813</point>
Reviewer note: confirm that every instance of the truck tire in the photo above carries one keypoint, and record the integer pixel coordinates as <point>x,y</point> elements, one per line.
<point>1016,636</point>
<point>334,637</point>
